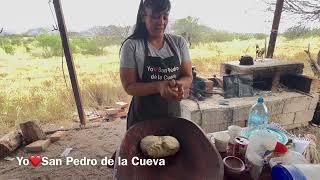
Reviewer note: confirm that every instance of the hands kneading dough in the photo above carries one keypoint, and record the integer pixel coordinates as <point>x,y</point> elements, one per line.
<point>159,146</point>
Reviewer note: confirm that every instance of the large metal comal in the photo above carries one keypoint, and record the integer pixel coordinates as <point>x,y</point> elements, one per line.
<point>197,158</point>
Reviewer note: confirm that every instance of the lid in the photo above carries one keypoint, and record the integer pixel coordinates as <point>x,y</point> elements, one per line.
<point>280,173</point>
<point>260,100</point>
<point>280,134</point>
<point>280,148</point>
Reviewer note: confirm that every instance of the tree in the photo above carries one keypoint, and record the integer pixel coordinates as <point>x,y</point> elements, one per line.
<point>188,27</point>
<point>308,10</point>
<point>296,32</point>
<point>50,44</point>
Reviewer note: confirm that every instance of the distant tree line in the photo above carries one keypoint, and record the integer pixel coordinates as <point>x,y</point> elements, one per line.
<point>93,41</point>
<point>301,32</point>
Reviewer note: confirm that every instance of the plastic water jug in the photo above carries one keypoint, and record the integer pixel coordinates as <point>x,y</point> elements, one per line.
<point>258,115</point>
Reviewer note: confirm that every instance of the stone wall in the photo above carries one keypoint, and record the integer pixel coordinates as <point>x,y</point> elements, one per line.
<point>290,109</point>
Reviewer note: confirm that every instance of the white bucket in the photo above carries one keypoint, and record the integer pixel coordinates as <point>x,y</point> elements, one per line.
<point>221,140</point>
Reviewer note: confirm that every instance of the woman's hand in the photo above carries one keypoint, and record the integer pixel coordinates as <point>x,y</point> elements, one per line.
<point>177,87</point>
<point>170,90</point>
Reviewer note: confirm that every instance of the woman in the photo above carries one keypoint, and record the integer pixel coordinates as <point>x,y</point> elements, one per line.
<point>155,67</point>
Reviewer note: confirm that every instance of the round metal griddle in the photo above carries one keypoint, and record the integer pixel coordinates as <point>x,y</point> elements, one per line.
<point>197,158</point>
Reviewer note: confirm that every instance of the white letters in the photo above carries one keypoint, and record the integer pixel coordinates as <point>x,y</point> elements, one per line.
<point>136,161</point>
<point>22,161</point>
<point>105,161</point>
<point>147,162</point>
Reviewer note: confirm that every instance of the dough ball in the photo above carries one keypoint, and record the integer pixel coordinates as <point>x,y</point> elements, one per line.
<point>159,146</point>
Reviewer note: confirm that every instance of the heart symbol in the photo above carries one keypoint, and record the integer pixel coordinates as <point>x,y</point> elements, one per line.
<point>35,160</point>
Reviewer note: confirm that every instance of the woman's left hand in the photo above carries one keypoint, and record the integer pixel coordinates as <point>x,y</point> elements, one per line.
<point>177,87</point>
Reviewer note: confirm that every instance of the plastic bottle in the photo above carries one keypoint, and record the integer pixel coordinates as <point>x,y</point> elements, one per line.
<point>258,115</point>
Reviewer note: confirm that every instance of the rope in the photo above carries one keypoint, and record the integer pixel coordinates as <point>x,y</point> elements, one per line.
<point>56,28</point>
<point>194,98</point>
<point>64,76</point>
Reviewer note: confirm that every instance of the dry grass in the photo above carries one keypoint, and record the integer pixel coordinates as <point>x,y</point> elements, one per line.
<point>35,88</point>
<point>308,130</point>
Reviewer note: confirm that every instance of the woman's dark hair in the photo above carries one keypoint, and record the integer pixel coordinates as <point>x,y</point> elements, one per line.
<point>140,29</point>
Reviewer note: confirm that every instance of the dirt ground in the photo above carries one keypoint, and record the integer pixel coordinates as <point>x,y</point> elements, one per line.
<point>95,143</point>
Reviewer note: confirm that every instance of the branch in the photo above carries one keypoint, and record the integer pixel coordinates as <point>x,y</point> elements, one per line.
<point>308,10</point>
<point>314,65</point>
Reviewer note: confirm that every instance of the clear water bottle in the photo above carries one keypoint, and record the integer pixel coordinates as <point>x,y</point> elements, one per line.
<point>258,115</point>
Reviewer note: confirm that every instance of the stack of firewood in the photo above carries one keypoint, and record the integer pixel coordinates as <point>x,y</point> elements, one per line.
<point>31,135</point>
<point>120,110</point>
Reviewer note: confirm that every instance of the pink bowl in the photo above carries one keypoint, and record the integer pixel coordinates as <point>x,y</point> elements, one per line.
<point>233,165</point>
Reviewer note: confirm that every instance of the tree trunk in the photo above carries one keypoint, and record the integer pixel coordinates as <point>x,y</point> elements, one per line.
<point>9,143</point>
<point>275,27</point>
<point>31,132</point>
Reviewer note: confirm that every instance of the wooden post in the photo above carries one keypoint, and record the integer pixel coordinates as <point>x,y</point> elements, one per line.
<point>9,143</point>
<point>69,59</point>
<point>274,29</point>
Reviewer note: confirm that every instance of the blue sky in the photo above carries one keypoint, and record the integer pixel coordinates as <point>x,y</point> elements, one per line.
<point>231,15</point>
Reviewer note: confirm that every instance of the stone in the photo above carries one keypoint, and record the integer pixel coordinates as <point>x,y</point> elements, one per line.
<point>223,126</point>
<point>57,136</point>
<point>293,126</point>
<point>241,113</point>
<point>275,106</point>
<point>217,116</point>
<point>297,104</point>
<point>112,111</point>
<point>314,101</point>
<point>188,112</point>
<point>38,146</point>
<point>303,116</point>
<point>211,128</point>
<point>241,123</point>
<point>283,119</point>
<point>122,105</point>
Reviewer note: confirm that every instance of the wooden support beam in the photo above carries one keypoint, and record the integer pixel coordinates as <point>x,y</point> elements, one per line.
<point>69,59</point>
<point>275,27</point>
<point>315,66</point>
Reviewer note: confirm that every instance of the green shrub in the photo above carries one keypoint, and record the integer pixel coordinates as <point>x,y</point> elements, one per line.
<point>9,49</point>
<point>50,44</point>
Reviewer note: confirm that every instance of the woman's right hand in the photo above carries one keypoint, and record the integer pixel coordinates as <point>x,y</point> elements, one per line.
<point>170,90</point>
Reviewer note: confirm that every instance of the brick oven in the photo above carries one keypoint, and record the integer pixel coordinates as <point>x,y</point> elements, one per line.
<point>291,97</point>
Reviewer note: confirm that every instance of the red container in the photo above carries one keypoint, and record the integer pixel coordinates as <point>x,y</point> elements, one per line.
<point>240,146</point>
